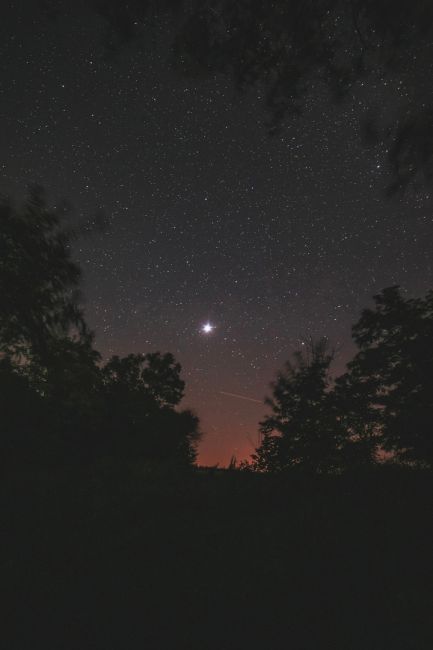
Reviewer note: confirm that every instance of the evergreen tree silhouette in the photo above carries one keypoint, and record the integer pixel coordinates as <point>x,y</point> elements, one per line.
<point>303,429</point>
<point>394,371</point>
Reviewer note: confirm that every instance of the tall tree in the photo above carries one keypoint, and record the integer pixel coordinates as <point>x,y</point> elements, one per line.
<point>38,279</point>
<point>49,371</point>
<point>53,388</point>
<point>303,429</point>
<point>394,369</point>
<point>358,419</point>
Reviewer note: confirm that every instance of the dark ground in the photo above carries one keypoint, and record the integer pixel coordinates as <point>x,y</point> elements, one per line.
<point>217,561</point>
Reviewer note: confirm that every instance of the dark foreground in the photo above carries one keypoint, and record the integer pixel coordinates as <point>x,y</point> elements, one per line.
<point>224,561</point>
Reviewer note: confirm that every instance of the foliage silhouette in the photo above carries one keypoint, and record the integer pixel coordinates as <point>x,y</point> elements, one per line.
<point>304,430</point>
<point>38,279</point>
<point>140,393</point>
<point>49,368</point>
<point>22,417</point>
<point>394,371</point>
<point>102,553</point>
<point>383,403</point>
<point>286,47</point>
<point>358,420</point>
<point>59,403</point>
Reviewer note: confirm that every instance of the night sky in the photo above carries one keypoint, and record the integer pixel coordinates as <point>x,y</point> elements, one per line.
<point>207,217</point>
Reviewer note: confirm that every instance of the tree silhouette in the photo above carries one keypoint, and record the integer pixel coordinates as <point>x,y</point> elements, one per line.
<point>38,279</point>
<point>384,402</point>
<point>56,399</point>
<point>285,47</point>
<point>352,402</point>
<point>22,417</point>
<point>394,371</point>
<point>141,393</point>
<point>303,430</point>
<point>49,367</point>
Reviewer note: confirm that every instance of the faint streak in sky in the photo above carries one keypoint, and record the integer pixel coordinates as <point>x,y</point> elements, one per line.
<point>248,399</point>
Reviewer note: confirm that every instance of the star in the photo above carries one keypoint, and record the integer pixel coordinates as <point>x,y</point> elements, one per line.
<point>207,328</point>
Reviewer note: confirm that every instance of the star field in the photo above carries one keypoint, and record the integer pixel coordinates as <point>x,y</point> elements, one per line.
<point>189,212</point>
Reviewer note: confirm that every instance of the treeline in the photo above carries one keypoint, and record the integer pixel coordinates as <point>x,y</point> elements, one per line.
<point>58,401</point>
<point>380,409</point>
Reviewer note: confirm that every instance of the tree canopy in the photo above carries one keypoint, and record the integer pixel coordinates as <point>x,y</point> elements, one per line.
<point>58,400</point>
<point>382,404</point>
<point>287,47</point>
<point>39,281</point>
<point>303,429</point>
<point>394,367</point>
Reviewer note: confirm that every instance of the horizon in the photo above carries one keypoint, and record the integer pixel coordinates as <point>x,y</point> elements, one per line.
<point>192,212</point>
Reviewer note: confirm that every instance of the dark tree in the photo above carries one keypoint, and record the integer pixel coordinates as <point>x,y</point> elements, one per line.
<point>49,366</point>
<point>38,279</point>
<point>56,400</point>
<point>22,416</point>
<point>303,429</point>
<point>141,393</point>
<point>270,456</point>
<point>393,371</point>
<point>358,419</point>
<point>71,385</point>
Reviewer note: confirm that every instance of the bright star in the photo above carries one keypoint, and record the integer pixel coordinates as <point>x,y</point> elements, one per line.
<point>207,328</point>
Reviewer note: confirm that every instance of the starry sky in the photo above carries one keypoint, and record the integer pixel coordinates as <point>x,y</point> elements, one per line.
<point>190,212</point>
